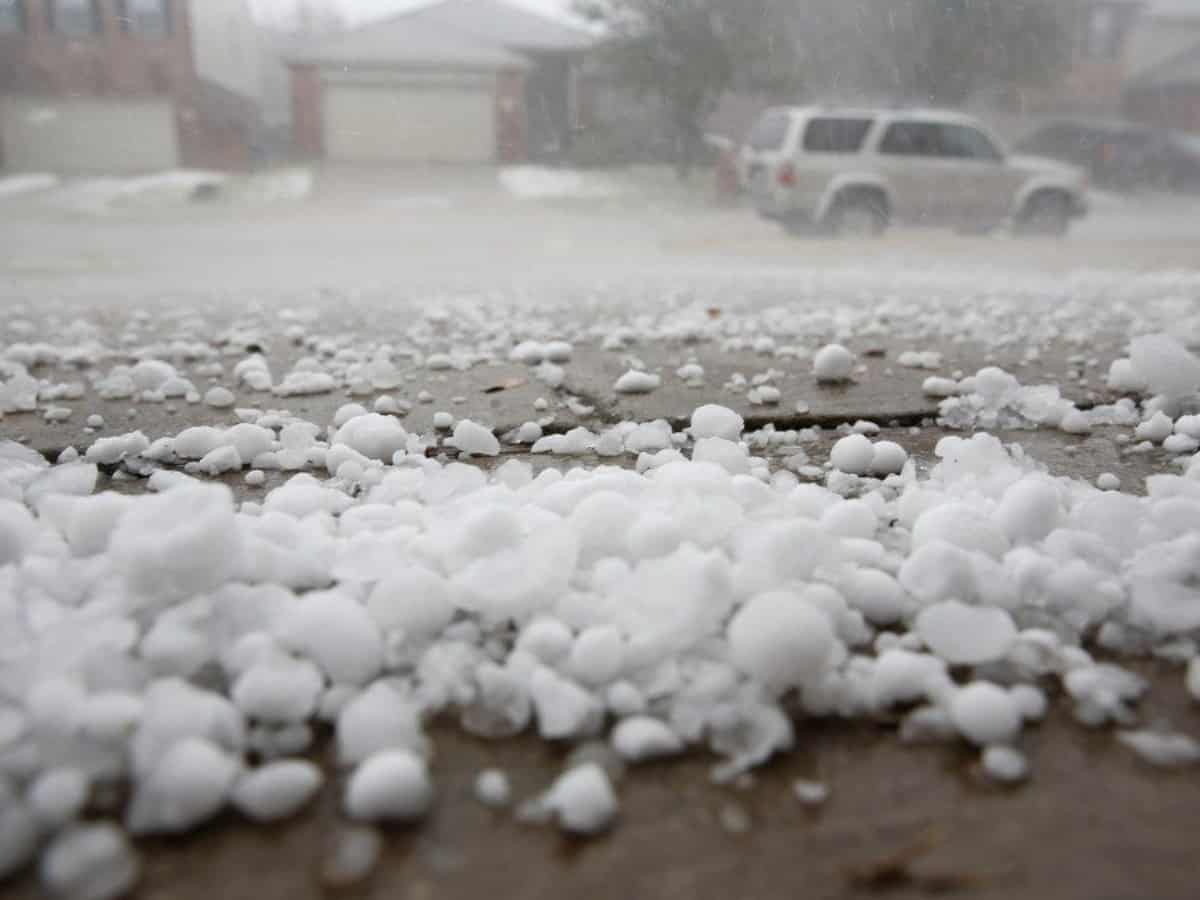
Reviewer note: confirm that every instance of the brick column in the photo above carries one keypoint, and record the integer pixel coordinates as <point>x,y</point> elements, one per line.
<point>307,125</point>
<point>511,126</point>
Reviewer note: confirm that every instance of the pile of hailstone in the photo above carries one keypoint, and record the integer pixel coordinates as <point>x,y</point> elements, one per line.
<point>195,649</point>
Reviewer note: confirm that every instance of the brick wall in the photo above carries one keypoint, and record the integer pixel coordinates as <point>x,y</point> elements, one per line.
<point>512,125</point>
<point>307,127</point>
<point>108,63</point>
<point>216,128</point>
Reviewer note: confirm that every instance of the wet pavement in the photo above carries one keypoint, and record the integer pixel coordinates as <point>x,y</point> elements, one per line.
<point>1093,823</point>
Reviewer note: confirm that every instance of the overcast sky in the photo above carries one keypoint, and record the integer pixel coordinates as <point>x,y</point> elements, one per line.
<point>360,10</point>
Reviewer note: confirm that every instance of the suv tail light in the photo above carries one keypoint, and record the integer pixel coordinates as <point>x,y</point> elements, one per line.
<point>786,176</point>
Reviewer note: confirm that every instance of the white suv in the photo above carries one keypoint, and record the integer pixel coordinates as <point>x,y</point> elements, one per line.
<point>852,171</point>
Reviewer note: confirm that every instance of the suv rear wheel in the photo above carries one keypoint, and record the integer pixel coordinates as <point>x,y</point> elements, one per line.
<point>1047,214</point>
<point>859,214</point>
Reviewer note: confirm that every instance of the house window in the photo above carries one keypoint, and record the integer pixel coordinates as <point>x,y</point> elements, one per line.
<point>1103,31</point>
<point>12,16</point>
<point>75,18</point>
<point>146,18</point>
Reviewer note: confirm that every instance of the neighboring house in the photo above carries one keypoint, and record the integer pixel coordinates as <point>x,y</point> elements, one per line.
<point>1163,87</point>
<point>126,86</point>
<point>465,81</point>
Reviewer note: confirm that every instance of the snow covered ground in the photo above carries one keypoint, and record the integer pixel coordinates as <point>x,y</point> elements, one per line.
<point>730,543</point>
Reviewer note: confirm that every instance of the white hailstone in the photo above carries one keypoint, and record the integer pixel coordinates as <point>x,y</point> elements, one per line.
<point>582,800</point>
<point>985,714</point>
<point>1123,377</point>
<point>443,421</point>
<point>413,599</point>
<point>95,420</point>
<point>255,478</point>
<point>277,790</point>
<point>850,519</point>
<point>549,640</point>
<point>111,450</point>
<point>528,433</point>
<point>1193,679</point>
<point>149,374</point>
<point>492,789</point>
<point>558,351</point>
<point>888,458</point>
<point>853,454</point>
<point>833,363</point>
<point>810,793</point>
<point>966,635</point>
<point>625,699</point>
<point>711,420</point>
<point>962,525</point>
<point>249,440</point>
<point>940,387</point>
<point>373,435</point>
<point>18,531</point>
<point>563,708</point>
<point>1180,443</point>
<point>89,862</point>
<point>391,786</point>
<point>346,412</point>
<point>278,691</point>
<point>380,718</point>
<point>730,456</point>
<point>1076,422</point>
<point>1004,764</point>
<point>1030,700</point>
<point>217,462</point>
<point>110,716</point>
<point>197,442</point>
<point>187,787</point>
<point>635,382</point>
<point>352,857</point>
<point>19,835</point>
<point>1166,365</point>
<point>473,439</point>
<point>596,655</point>
<point>1164,750</point>
<point>529,352</point>
<point>901,676</point>
<point>875,594</point>
<point>57,796</point>
<point>1108,482</point>
<point>179,543</point>
<point>642,738</point>
<point>781,640</point>
<point>337,633</point>
<point>219,398</point>
<point>766,394</point>
<point>1157,428</point>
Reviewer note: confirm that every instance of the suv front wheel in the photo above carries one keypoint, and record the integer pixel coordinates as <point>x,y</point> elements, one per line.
<point>1047,214</point>
<point>858,214</point>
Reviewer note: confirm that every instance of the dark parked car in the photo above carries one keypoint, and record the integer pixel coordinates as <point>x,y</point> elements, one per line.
<point>1121,155</point>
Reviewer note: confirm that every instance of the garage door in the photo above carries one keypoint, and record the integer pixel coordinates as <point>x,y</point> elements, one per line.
<point>87,135</point>
<point>402,124</point>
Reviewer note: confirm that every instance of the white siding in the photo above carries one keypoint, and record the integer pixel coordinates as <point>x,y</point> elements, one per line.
<point>87,135</point>
<point>410,123</point>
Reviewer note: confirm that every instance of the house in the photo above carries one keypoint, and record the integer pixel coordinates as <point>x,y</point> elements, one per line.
<point>1163,87</point>
<point>455,81</point>
<point>126,86</point>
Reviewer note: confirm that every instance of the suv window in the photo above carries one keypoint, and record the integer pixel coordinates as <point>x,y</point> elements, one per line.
<point>770,132</point>
<point>836,135</point>
<point>963,142</point>
<point>912,139</point>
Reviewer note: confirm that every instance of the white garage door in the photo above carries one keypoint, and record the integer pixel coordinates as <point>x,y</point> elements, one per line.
<point>87,135</point>
<point>402,124</point>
